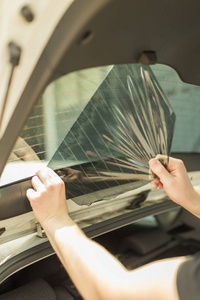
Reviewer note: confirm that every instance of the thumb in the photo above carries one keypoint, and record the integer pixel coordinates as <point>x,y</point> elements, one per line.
<point>157,168</point>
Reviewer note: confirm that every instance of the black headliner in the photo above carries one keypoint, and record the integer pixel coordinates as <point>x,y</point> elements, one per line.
<point>101,32</point>
<point>123,29</point>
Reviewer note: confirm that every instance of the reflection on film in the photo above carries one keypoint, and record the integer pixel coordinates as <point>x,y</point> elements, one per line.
<point>127,122</point>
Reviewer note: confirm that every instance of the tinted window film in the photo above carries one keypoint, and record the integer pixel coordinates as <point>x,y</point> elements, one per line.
<point>127,122</point>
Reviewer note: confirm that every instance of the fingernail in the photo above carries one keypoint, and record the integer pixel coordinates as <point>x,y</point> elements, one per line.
<point>154,186</point>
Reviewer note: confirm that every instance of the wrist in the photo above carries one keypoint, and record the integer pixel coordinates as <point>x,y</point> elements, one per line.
<point>53,223</point>
<point>196,204</point>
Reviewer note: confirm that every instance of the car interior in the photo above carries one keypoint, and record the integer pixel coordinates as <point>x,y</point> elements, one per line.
<point>90,121</point>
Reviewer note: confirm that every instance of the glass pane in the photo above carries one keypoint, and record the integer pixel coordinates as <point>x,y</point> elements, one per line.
<point>64,100</point>
<point>185,101</point>
<point>50,120</point>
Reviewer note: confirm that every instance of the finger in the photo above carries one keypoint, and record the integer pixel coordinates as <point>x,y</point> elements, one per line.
<point>157,180</point>
<point>37,184</point>
<point>154,185</point>
<point>159,170</point>
<point>30,194</point>
<point>175,164</point>
<point>47,176</point>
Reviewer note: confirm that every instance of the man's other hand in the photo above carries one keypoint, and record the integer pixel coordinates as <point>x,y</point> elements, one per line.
<point>47,197</point>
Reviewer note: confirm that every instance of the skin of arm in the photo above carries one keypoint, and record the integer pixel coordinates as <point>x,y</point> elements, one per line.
<point>94,271</point>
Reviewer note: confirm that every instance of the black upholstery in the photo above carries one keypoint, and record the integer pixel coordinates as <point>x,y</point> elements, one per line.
<point>37,289</point>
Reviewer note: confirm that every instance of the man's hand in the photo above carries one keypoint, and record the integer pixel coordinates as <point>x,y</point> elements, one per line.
<point>176,184</point>
<point>48,199</point>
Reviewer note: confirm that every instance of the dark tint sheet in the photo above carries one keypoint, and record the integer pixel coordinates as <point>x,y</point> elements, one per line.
<point>127,121</point>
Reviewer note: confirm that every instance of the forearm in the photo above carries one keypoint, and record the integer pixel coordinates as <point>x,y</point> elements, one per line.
<point>94,271</point>
<point>98,275</point>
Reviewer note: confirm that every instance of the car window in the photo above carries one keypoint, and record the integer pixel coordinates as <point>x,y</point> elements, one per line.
<point>62,103</point>
<point>50,119</point>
